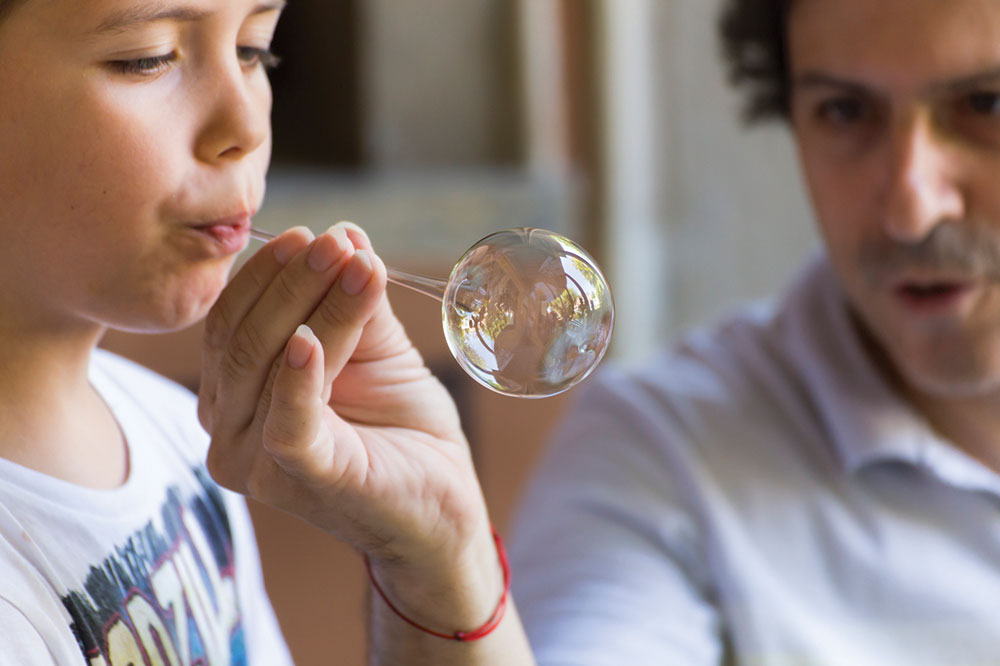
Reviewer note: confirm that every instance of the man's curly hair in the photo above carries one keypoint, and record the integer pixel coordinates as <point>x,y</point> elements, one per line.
<point>755,50</point>
<point>6,6</point>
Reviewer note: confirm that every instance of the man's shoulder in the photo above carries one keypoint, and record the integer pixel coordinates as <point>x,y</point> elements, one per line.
<point>744,387</point>
<point>761,363</point>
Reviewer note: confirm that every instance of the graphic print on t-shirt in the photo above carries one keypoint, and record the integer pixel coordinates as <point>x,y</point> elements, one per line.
<point>167,596</point>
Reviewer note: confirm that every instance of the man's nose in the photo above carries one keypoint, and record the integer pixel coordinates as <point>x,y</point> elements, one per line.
<point>922,187</point>
<point>239,118</point>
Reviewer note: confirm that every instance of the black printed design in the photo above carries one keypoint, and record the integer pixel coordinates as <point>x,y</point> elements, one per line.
<point>167,596</point>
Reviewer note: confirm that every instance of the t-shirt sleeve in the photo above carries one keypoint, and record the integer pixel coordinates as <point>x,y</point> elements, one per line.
<point>609,562</point>
<point>20,642</point>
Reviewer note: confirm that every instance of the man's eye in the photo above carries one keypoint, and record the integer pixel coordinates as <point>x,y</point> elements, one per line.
<point>251,55</point>
<point>143,66</point>
<point>987,103</point>
<point>841,111</point>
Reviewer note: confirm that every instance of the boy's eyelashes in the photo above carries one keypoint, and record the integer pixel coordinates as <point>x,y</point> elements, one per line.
<point>249,56</point>
<point>147,65</point>
<point>252,55</point>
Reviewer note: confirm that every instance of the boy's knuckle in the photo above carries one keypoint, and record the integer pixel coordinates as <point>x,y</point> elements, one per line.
<point>260,281</point>
<point>244,353</point>
<point>235,367</point>
<point>286,287</point>
<point>332,313</point>
<point>216,326</point>
<point>279,437</point>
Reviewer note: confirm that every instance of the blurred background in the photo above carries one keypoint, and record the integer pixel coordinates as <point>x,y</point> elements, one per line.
<point>432,123</point>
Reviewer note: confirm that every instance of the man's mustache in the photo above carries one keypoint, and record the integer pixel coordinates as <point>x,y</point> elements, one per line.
<point>953,248</point>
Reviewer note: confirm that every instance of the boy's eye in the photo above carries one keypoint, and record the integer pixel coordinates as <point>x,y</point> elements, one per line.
<point>144,66</point>
<point>251,55</point>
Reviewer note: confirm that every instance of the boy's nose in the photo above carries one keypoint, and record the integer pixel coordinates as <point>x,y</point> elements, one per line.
<point>922,187</point>
<point>239,119</point>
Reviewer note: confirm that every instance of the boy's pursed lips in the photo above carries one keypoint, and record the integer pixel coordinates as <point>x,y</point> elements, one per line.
<point>228,233</point>
<point>239,219</point>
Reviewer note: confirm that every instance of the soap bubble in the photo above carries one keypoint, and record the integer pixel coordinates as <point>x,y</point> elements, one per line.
<point>527,313</point>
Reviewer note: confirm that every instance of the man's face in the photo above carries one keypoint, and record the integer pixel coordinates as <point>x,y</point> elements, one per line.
<point>134,141</point>
<point>896,111</point>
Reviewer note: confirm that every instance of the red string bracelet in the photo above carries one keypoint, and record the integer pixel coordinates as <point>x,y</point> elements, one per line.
<point>461,636</point>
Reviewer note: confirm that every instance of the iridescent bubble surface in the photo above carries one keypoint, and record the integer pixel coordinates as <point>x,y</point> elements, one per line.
<point>527,313</point>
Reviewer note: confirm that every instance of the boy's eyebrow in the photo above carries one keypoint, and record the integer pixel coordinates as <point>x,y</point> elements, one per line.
<point>159,11</point>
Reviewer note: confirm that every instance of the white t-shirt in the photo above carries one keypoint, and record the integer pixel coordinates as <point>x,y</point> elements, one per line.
<point>163,570</point>
<point>759,496</point>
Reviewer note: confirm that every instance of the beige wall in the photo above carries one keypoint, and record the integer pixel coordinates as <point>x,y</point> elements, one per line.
<point>438,83</point>
<point>738,220</point>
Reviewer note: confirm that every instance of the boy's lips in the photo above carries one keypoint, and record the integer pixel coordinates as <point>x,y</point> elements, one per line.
<point>229,234</point>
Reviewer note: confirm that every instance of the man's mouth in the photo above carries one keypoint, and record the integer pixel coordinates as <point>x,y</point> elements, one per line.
<point>932,296</point>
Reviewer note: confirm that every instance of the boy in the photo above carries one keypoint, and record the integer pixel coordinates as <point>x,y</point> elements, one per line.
<point>135,139</point>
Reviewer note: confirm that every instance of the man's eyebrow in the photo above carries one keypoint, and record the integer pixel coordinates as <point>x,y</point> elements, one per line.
<point>812,79</point>
<point>820,80</point>
<point>966,82</point>
<point>159,11</point>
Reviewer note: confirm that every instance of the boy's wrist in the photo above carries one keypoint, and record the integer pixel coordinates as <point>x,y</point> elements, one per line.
<point>453,594</point>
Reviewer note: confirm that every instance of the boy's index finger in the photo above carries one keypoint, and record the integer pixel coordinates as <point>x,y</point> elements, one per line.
<point>233,305</point>
<point>250,282</point>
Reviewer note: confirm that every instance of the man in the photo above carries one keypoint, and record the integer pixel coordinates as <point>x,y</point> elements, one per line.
<point>817,482</point>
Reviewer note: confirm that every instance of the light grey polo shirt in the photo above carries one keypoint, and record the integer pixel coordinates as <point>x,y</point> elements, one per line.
<point>758,496</point>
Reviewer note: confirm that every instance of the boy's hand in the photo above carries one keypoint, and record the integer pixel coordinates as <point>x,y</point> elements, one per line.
<point>346,428</point>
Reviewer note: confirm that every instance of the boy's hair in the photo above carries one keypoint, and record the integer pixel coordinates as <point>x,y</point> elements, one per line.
<point>754,44</point>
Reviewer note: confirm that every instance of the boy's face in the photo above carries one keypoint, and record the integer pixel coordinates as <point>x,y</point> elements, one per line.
<point>896,111</point>
<point>134,141</point>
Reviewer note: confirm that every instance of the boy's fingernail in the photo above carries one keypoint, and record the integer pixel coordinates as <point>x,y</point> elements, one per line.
<point>324,253</point>
<point>300,347</point>
<point>357,274</point>
<point>351,227</point>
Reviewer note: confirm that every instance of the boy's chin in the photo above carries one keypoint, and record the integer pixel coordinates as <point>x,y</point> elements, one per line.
<point>165,318</point>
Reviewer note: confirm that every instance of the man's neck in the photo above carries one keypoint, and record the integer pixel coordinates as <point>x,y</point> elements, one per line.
<point>969,422</point>
<point>972,424</point>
